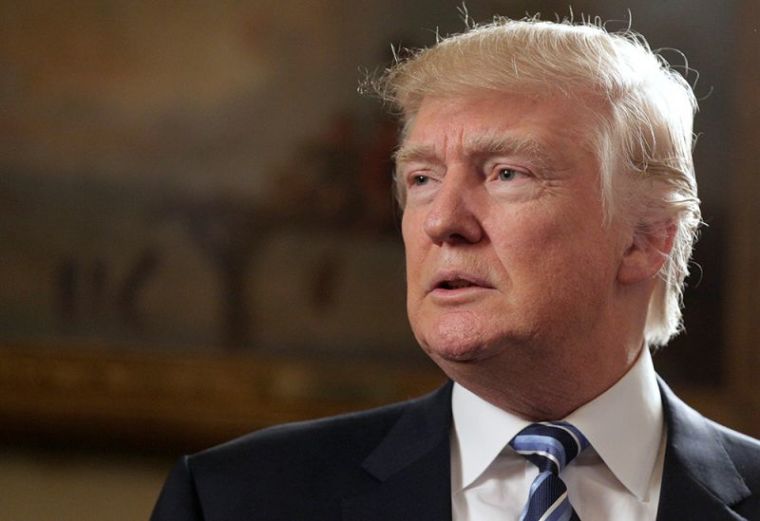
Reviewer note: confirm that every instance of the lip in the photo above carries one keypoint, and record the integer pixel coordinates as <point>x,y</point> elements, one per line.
<point>475,282</point>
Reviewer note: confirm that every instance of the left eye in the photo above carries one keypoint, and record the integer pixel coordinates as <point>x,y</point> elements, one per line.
<point>507,174</point>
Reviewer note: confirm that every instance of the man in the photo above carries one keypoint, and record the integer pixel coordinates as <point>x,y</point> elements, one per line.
<point>549,211</point>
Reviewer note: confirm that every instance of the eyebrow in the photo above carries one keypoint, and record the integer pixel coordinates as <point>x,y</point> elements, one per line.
<point>481,145</point>
<point>407,153</point>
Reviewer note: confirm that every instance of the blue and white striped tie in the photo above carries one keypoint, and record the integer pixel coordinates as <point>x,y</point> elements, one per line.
<point>551,446</point>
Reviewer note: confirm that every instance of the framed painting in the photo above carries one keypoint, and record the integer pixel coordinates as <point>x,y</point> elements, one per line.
<point>198,231</point>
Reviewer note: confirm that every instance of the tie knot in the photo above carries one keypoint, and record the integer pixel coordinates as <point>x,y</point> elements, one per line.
<point>551,446</point>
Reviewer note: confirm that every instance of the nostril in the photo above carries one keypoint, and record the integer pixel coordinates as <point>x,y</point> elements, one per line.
<point>456,238</point>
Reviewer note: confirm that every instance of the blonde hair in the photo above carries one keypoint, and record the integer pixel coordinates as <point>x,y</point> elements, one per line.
<point>643,136</point>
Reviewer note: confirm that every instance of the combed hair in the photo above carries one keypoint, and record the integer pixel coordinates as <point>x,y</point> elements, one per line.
<point>643,135</point>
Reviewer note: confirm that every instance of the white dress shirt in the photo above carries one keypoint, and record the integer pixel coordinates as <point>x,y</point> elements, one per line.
<point>618,477</point>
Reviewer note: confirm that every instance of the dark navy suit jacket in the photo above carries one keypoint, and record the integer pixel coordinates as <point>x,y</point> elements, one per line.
<point>392,464</point>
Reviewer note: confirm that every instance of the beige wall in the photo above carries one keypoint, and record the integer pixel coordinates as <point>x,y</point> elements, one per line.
<point>43,486</point>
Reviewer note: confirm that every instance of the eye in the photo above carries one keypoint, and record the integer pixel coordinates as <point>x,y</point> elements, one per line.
<point>508,174</point>
<point>419,180</point>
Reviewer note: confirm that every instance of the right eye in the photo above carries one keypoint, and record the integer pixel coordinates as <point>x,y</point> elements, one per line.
<point>419,180</point>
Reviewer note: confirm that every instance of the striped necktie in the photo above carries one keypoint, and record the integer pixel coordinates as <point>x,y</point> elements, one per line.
<point>550,446</point>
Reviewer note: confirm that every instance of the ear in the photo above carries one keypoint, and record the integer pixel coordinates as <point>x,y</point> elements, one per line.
<point>647,252</point>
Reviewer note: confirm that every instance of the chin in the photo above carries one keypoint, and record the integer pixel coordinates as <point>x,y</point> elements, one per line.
<point>461,363</point>
<point>447,342</point>
<point>457,348</point>
<point>456,353</point>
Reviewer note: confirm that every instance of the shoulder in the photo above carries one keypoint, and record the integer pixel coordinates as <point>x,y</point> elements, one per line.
<point>348,437</point>
<point>345,438</point>
<point>715,441</point>
<point>724,462</point>
<point>297,470</point>
<point>743,451</point>
<point>292,469</point>
<point>692,430</point>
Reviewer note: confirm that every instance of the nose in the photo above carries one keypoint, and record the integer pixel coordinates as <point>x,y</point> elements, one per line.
<point>453,214</point>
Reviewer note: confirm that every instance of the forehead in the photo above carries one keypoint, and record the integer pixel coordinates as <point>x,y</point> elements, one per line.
<point>483,143</point>
<point>545,128</point>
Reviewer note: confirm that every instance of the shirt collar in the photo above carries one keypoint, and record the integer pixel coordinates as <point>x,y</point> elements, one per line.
<point>481,431</point>
<point>624,426</point>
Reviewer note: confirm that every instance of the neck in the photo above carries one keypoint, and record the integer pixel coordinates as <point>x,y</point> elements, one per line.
<point>527,387</point>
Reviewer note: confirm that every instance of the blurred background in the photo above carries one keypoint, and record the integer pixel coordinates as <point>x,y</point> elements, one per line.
<point>198,237</point>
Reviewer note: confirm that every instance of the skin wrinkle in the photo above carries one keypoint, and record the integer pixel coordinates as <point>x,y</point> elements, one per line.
<point>486,145</point>
<point>564,318</point>
<point>638,100</point>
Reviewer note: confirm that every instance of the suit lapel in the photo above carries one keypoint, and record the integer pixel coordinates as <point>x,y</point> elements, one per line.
<point>699,479</point>
<point>411,467</point>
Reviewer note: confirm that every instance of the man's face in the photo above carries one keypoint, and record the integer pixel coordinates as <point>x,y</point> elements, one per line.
<point>506,247</point>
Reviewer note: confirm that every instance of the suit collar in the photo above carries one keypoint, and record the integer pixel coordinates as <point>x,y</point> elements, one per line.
<point>411,467</point>
<point>699,479</point>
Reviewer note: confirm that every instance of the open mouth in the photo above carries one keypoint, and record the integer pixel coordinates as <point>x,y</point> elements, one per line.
<point>454,280</point>
<point>455,284</point>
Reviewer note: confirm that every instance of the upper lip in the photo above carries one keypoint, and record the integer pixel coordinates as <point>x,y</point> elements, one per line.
<point>444,277</point>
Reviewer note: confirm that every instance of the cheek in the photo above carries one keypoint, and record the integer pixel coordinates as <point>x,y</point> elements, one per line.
<point>548,250</point>
<point>413,251</point>
<point>410,229</point>
<point>525,239</point>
